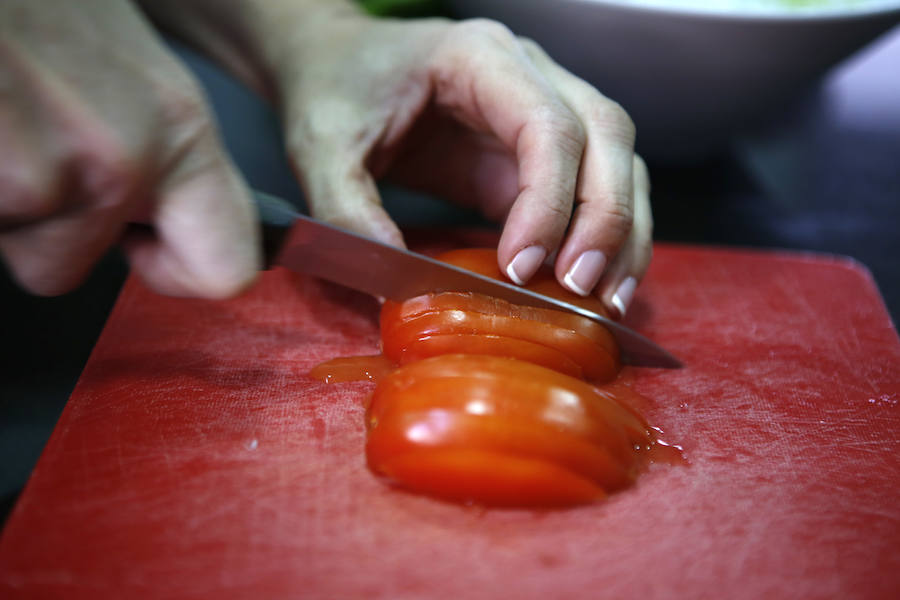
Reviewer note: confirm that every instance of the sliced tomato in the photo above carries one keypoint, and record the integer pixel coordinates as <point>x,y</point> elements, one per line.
<point>490,403</point>
<point>596,363</point>
<point>412,328</point>
<point>414,431</point>
<point>393,312</point>
<point>494,345</point>
<point>489,478</point>
<point>500,431</point>
<point>511,389</point>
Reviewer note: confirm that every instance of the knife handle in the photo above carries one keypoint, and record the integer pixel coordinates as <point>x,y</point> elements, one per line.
<point>276,216</point>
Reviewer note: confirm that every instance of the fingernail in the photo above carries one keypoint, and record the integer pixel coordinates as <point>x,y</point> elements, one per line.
<point>525,263</point>
<point>585,273</point>
<point>622,298</point>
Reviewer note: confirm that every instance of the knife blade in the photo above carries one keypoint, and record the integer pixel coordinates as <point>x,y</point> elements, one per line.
<point>357,262</point>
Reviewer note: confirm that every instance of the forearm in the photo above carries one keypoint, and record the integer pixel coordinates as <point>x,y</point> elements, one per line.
<point>254,39</point>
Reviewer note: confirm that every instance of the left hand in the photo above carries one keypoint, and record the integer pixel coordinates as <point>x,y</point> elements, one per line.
<point>470,112</point>
<point>465,110</point>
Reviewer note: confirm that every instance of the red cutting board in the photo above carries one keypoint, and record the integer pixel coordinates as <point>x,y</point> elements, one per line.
<point>196,458</point>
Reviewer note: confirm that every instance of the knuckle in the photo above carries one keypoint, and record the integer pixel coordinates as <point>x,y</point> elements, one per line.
<point>192,144</point>
<point>618,217</point>
<point>613,119</point>
<point>183,104</point>
<point>530,46</point>
<point>107,176</point>
<point>487,29</point>
<point>186,117</point>
<point>24,197</point>
<point>196,125</point>
<point>562,124</point>
<point>558,212</point>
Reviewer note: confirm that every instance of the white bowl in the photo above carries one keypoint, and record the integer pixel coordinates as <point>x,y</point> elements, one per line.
<point>690,73</point>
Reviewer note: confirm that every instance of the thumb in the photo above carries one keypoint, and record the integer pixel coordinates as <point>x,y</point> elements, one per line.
<point>206,241</point>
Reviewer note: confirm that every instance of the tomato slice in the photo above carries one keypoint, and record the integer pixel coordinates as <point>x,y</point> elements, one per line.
<point>511,389</point>
<point>413,431</point>
<point>490,478</point>
<point>495,345</point>
<point>393,312</point>
<point>501,431</point>
<point>595,362</point>
<point>412,329</point>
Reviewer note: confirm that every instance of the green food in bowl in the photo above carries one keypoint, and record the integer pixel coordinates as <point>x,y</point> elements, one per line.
<point>406,8</point>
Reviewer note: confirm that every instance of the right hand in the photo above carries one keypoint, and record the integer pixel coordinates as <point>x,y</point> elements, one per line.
<point>100,126</point>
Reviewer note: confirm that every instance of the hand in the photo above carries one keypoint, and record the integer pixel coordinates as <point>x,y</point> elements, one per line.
<point>100,126</point>
<point>464,110</point>
<point>471,112</point>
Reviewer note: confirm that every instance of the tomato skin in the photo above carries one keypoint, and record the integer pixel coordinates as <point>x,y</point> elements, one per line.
<point>394,312</point>
<point>500,431</point>
<point>490,479</point>
<point>451,431</point>
<point>596,363</point>
<point>511,389</point>
<point>494,345</point>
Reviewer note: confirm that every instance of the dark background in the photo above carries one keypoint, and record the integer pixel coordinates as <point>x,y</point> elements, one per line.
<point>824,177</point>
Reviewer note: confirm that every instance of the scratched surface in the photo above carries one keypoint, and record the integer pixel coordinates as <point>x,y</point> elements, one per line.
<point>195,458</point>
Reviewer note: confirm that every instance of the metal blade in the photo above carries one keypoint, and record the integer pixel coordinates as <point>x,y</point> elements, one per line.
<point>369,266</point>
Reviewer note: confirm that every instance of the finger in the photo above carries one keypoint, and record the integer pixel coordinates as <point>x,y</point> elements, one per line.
<point>484,77</point>
<point>31,189</point>
<point>66,200</point>
<point>49,258</point>
<point>206,241</point>
<point>329,148</point>
<point>617,287</point>
<point>603,199</point>
<point>52,255</point>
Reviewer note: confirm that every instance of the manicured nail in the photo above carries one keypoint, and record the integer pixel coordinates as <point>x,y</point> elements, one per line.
<point>622,298</point>
<point>525,263</point>
<point>586,272</point>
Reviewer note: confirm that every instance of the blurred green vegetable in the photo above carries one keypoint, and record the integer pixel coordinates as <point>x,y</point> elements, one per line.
<point>403,8</point>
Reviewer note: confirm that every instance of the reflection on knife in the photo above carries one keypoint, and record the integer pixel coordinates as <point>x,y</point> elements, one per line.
<point>380,270</point>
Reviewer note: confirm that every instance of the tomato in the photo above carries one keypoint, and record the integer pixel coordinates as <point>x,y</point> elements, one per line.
<point>502,432</point>
<point>487,305</point>
<point>495,345</point>
<point>447,322</point>
<point>491,403</point>
<point>593,359</point>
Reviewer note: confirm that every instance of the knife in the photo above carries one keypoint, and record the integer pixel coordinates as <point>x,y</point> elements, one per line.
<point>378,269</point>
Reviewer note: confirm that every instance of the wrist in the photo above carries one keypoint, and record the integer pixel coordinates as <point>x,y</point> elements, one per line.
<point>262,42</point>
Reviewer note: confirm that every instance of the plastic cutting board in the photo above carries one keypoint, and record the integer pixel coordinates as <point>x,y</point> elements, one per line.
<point>196,459</point>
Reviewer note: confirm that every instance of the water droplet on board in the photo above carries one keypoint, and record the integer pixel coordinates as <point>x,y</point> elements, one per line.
<point>884,400</point>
